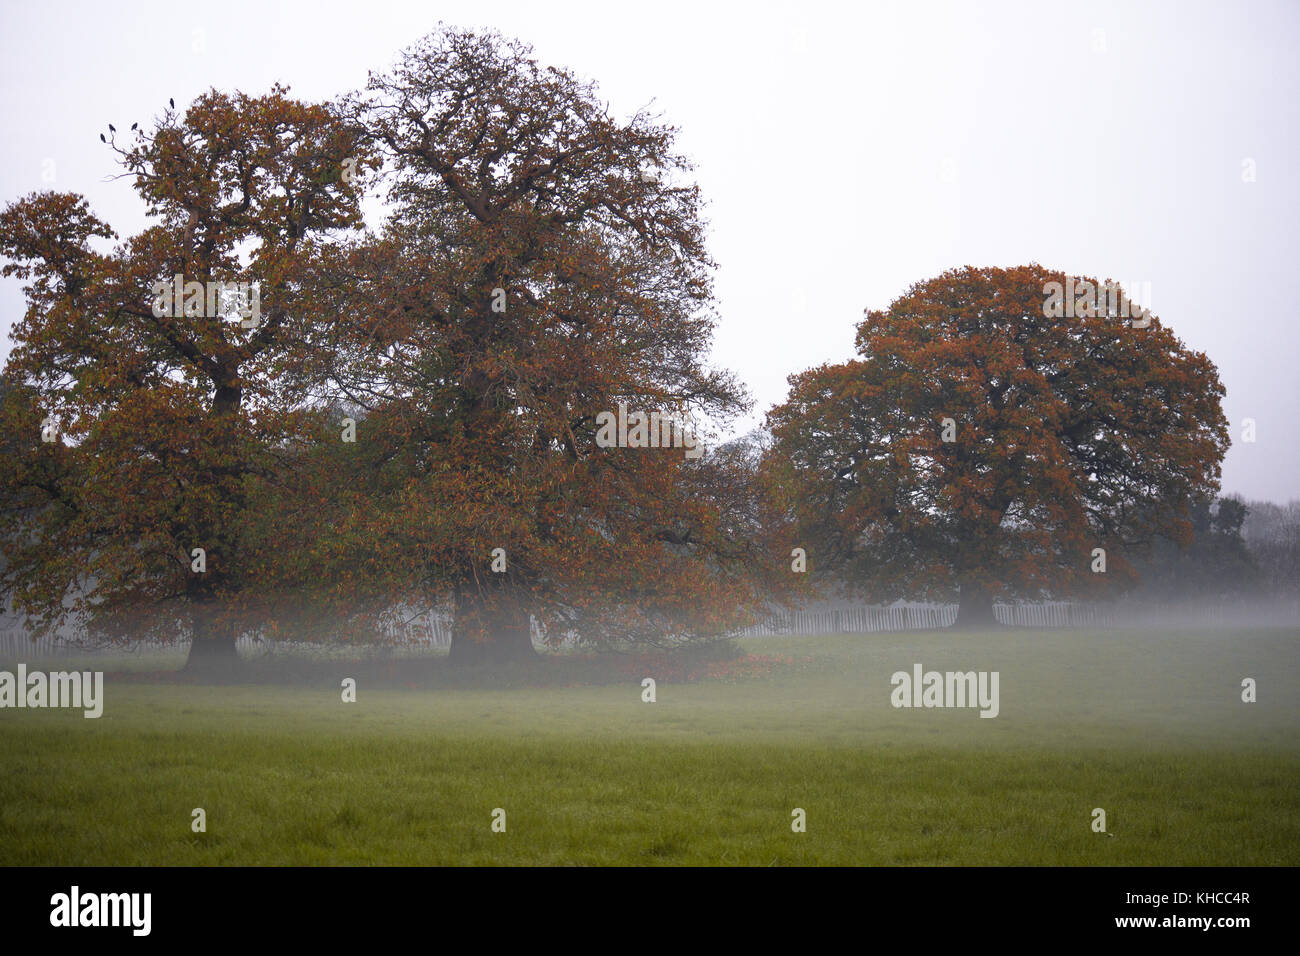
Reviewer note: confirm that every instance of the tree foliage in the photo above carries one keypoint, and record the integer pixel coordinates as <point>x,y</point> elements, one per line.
<point>1067,434</point>
<point>168,427</point>
<point>1216,563</point>
<point>542,263</point>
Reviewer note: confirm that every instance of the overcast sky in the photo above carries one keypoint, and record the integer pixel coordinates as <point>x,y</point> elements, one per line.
<point>846,150</point>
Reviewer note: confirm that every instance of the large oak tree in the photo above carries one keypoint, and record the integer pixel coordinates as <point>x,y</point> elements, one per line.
<point>165,431</point>
<point>980,446</point>
<point>544,263</point>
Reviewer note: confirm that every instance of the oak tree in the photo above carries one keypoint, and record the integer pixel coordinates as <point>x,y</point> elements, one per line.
<point>169,406</point>
<point>988,443</point>
<point>544,263</point>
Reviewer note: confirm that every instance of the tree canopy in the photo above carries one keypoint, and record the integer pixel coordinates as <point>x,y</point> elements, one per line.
<point>542,264</point>
<point>145,428</point>
<point>986,443</point>
<point>261,413</point>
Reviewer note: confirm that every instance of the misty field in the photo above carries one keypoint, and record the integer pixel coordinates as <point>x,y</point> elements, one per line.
<point>1149,727</point>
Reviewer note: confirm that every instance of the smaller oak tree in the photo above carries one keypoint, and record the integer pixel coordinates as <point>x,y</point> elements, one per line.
<point>988,444</point>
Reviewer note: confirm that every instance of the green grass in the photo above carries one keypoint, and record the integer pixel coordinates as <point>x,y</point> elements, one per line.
<point>1148,726</point>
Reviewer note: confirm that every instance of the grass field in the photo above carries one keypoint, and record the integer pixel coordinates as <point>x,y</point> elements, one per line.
<point>1148,726</point>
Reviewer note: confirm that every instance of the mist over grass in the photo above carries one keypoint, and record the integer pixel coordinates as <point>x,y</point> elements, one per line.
<point>1149,726</point>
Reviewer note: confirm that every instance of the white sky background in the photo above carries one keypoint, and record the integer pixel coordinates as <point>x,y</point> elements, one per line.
<point>846,150</point>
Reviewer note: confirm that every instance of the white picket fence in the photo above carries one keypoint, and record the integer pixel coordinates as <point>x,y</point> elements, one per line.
<point>16,644</point>
<point>1045,614</point>
<point>422,632</point>
<point>427,630</point>
<point>430,631</point>
<point>856,620</point>
<point>1054,614</point>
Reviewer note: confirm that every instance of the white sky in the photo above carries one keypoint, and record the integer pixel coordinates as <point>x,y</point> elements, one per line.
<point>846,150</point>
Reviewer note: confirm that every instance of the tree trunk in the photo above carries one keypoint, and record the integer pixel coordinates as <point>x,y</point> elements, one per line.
<point>212,651</point>
<point>490,629</point>
<point>975,610</point>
